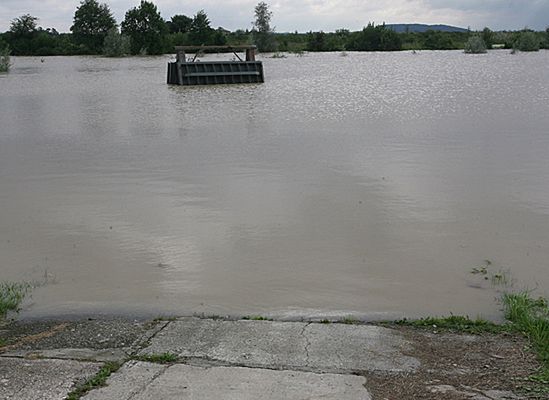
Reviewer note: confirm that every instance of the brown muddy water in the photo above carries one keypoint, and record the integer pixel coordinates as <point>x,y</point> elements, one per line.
<point>368,184</point>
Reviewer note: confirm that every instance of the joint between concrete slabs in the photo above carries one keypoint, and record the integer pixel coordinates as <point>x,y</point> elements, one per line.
<point>307,343</point>
<point>142,342</point>
<point>145,384</point>
<point>286,345</point>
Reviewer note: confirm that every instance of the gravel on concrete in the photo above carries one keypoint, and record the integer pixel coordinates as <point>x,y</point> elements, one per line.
<point>82,354</point>
<point>22,379</point>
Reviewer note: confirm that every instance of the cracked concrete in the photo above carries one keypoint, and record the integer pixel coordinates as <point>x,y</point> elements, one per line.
<point>181,381</point>
<point>236,360</point>
<point>307,344</point>
<point>286,345</point>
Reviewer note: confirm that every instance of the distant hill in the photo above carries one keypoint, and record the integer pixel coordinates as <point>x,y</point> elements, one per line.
<point>423,28</point>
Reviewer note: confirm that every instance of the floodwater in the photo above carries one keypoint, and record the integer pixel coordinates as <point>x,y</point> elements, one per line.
<point>369,184</point>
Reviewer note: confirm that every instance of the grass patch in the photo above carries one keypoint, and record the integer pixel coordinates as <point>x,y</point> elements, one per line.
<point>99,380</point>
<point>215,317</point>
<point>349,321</point>
<point>457,323</point>
<point>11,296</point>
<point>162,318</point>
<point>526,315</point>
<point>531,317</point>
<point>164,358</point>
<point>325,321</point>
<point>256,318</point>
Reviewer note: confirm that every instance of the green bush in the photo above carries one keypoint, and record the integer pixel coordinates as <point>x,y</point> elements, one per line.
<point>527,41</point>
<point>115,44</point>
<point>475,45</point>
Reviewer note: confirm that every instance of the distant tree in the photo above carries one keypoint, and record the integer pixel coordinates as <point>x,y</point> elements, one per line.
<point>201,32</point>
<point>25,25</point>
<point>475,45</point>
<point>374,38</point>
<point>547,38</point>
<point>219,37</point>
<point>436,40</point>
<point>316,41</point>
<point>146,29</point>
<point>366,40</point>
<point>44,43</point>
<point>527,41</point>
<point>263,32</point>
<point>389,39</point>
<point>240,36</point>
<point>22,34</point>
<point>52,31</point>
<point>92,22</point>
<point>115,44</point>
<point>179,24</point>
<point>487,37</point>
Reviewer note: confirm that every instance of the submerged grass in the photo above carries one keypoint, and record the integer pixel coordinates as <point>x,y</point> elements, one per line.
<point>11,296</point>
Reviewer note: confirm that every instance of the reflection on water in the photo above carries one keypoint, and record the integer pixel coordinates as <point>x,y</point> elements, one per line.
<point>368,184</point>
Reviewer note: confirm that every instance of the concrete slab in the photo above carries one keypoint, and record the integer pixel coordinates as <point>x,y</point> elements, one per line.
<point>131,379</point>
<point>335,348</point>
<point>42,379</point>
<point>238,383</point>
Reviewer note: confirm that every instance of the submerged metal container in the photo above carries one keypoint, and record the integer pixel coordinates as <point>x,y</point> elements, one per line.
<point>191,72</point>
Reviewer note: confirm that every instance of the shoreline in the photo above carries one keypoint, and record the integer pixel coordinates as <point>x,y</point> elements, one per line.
<point>393,359</point>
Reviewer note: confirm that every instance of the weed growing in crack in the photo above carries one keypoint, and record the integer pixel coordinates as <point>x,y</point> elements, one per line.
<point>256,318</point>
<point>98,380</point>
<point>163,358</point>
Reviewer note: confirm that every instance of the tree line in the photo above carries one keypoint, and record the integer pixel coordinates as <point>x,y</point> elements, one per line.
<point>95,31</point>
<point>382,38</point>
<point>144,31</point>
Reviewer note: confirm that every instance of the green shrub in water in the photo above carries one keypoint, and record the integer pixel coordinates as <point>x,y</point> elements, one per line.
<point>11,296</point>
<point>475,45</point>
<point>115,44</point>
<point>527,41</point>
<point>5,63</point>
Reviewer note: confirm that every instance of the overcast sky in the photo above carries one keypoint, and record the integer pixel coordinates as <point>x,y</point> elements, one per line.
<point>306,15</point>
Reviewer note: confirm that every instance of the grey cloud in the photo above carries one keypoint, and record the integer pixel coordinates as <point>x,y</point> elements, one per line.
<point>304,15</point>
